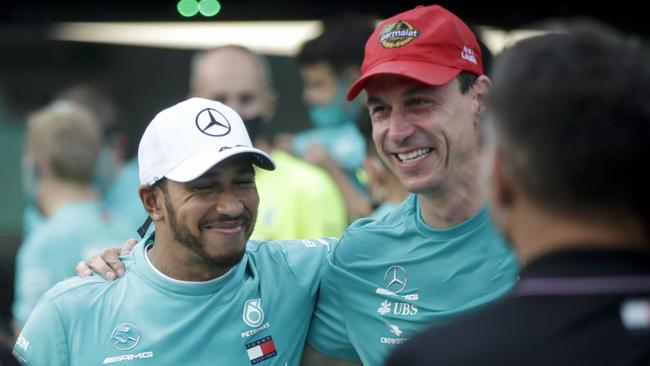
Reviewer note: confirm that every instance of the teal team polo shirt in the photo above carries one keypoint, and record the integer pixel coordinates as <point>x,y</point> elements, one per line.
<point>343,142</point>
<point>50,253</point>
<point>257,313</point>
<point>392,277</point>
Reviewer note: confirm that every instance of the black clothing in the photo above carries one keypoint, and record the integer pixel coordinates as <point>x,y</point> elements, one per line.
<point>580,307</point>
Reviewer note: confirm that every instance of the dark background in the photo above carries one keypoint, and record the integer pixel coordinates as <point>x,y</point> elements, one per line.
<point>506,14</point>
<point>145,79</point>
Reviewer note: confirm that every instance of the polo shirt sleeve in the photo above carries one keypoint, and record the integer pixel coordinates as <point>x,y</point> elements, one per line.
<point>43,341</point>
<point>306,260</point>
<point>328,328</point>
<point>33,277</point>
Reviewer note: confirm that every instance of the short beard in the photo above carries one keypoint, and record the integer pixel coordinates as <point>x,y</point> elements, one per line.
<point>183,236</point>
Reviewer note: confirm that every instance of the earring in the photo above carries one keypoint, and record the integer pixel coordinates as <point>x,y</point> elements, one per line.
<point>155,216</point>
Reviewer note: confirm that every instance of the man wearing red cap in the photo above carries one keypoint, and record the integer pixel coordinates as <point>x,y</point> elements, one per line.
<point>438,254</point>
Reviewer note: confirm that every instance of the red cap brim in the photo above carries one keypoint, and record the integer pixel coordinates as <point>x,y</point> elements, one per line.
<point>424,72</point>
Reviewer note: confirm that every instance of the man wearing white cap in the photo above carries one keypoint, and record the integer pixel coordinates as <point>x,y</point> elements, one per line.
<point>194,291</point>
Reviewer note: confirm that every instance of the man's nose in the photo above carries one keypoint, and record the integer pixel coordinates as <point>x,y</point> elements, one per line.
<point>228,203</point>
<point>399,128</point>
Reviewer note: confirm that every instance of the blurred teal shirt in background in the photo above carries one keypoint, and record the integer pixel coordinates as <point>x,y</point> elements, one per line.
<point>50,254</point>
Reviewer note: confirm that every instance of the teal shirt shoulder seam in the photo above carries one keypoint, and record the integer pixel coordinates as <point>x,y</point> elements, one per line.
<point>67,345</point>
<point>275,246</point>
<point>50,300</point>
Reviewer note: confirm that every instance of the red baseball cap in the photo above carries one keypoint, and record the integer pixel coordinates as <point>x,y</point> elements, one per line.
<point>427,43</point>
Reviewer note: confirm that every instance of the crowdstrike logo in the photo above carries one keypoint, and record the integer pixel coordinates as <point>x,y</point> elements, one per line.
<point>395,330</point>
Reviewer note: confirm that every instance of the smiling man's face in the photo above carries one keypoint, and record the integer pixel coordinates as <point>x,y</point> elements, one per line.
<point>214,215</point>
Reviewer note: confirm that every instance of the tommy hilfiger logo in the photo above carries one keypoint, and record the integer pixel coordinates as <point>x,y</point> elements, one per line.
<point>261,349</point>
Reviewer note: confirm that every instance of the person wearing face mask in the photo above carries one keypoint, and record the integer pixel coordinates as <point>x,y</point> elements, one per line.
<point>241,79</point>
<point>63,141</point>
<point>328,65</point>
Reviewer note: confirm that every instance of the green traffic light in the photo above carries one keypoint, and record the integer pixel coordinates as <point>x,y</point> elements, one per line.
<point>187,8</point>
<point>209,8</point>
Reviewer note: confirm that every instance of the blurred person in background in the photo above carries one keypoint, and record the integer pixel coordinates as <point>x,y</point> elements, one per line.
<point>62,145</point>
<point>568,125</point>
<point>328,65</point>
<point>115,178</point>
<point>12,136</point>
<point>385,190</point>
<point>289,197</point>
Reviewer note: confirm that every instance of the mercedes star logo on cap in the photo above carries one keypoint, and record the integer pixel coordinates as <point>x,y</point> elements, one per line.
<point>212,123</point>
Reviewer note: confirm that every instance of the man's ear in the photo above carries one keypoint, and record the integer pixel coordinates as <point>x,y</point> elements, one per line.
<point>152,201</point>
<point>503,189</point>
<point>479,93</point>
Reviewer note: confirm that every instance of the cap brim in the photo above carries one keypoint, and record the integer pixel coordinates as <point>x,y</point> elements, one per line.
<point>200,163</point>
<point>424,72</point>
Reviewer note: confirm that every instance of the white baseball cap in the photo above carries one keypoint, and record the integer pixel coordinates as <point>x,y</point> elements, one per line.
<point>184,141</point>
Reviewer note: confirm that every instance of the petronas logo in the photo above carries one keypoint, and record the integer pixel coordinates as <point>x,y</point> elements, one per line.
<point>253,313</point>
<point>397,34</point>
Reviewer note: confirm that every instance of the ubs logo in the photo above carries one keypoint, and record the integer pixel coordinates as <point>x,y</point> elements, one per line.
<point>395,279</point>
<point>212,123</point>
<point>125,337</point>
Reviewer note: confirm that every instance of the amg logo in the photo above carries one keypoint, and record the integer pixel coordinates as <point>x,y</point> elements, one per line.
<point>383,291</point>
<point>115,359</point>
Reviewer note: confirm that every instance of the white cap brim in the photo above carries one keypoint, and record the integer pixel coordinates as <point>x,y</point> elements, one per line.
<point>200,163</point>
